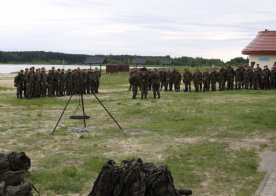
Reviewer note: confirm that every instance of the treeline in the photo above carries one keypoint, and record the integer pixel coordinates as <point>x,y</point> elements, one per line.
<point>41,57</point>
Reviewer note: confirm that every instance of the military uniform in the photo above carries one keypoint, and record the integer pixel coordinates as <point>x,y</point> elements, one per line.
<point>197,78</point>
<point>155,78</point>
<point>248,78</point>
<point>19,84</point>
<point>176,80</point>
<point>221,78</point>
<point>230,73</point>
<point>206,80</point>
<point>265,78</point>
<point>187,78</point>
<point>134,80</point>
<point>213,79</point>
<point>144,79</point>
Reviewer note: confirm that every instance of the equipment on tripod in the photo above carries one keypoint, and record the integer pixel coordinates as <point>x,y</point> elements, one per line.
<point>83,116</point>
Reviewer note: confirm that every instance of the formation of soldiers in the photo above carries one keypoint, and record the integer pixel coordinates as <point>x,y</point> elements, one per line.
<point>56,82</point>
<point>206,80</point>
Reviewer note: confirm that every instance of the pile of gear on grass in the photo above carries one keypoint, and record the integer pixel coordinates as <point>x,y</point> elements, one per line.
<point>135,178</point>
<point>13,166</point>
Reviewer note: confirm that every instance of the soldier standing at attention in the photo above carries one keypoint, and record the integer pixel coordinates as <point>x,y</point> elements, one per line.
<point>97,79</point>
<point>177,80</point>
<point>206,80</point>
<point>273,76</point>
<point>134,79</point>
<point>248,78</point>
<point>187,78</point>
<point>50,83</point>
<point>162,78</point>
<point>255,79</point>
<point>62,83</point>
<point>197,77</point>
<point>25,82</point>
<point>155,78</point>
<point>213,79</point>
<point>144,79</point>
<point>222,78</point>
<point>43,79</point>
<point>230,73</point>
<point>30,83</point>
<point>238,78</point>
<point>168,77</point>
<point>18,83</point>
<point>259,76</point>
<point>265,78</point>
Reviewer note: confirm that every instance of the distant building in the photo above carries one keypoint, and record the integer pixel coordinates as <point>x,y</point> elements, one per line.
<point>262,50</point>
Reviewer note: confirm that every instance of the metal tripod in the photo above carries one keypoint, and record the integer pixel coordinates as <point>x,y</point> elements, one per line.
<point>84,116</point>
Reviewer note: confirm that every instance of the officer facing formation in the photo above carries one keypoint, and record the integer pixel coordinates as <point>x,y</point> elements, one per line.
<point>57,82</point>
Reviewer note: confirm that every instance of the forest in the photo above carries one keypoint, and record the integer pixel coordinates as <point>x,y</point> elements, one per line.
<point>42,57</point>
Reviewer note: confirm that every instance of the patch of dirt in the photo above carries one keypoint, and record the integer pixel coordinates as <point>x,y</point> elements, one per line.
<point>135,132</point>
<point>75,163</point>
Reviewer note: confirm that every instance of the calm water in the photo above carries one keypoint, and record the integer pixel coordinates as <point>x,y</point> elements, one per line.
<point>10,68</point>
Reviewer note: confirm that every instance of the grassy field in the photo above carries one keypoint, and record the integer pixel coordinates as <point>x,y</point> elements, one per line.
<point>210,141</point>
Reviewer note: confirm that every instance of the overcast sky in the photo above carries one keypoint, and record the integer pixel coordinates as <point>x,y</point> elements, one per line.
<point>197,28</point>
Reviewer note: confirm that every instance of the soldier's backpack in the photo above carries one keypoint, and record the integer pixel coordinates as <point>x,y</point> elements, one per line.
<point>132,179</point>
<point>18,161</point>
<point>107,180</point>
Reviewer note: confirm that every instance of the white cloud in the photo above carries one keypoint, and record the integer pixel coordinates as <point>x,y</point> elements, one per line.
<point>210,28</point>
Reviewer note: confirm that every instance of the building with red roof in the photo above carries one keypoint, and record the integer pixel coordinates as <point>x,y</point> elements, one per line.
<point>262,49</point>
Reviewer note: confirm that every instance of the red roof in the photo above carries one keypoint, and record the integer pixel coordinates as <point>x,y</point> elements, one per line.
<point>264,43</point>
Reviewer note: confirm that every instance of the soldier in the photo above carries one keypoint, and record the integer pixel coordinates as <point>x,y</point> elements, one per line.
<point>239,78</point>
<point>197,78</point>
<point>130,74</point>
<point>25,82</point>
<point>230,73</point>
<point>255,79</point>
<point>30,83</point>
<point>273,76</point>
<point>168,78</point>
<point>97,79</point>
<point>69,82</point>
<point>155,78</point>
<point>162,78</point>
<point>62,83</point>
<point>213,79</point>
<point>259,76</point>
<point>248,78</point>
<point>266,78</point>
<point>50,83</point>
<point>150,81</point>
<point>19,83</point>
<point>222,78</point>
<point>43,79</point>
<point>134,80</point>
<point>57,82</point>
<point>144,79</point>
<point>206,80</point>
<point>187,78</point>
<point>176,80</point>
<point>37,83</point>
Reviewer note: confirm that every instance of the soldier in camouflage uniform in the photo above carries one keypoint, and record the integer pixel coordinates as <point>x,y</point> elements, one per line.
<point>206,80</point>
<point>222,78</point>
<point>248,78</point>
<point>197,78</point>
<point>50,83</point>
<point>266,78</point>
<point>168,79</point>
<point>19,83</point>
<point>97,79</point>
<point>43,79</point>
<point>213,79</point>
<point>259,76</point>
<point>239,78</point>
<point>30,83</point>
<point>255,79</point>
<point>230,73</point>
<point>162,78</point>
<point>69,82</point>
<point>273,76</point>
<point>144,79</point>
<point>25,82</point>
<point>155,78</point>
<point>37,80</point>
<point>187,78</point>
<point>176,80</point>
<point>135,81</point>
<point>62,83</point>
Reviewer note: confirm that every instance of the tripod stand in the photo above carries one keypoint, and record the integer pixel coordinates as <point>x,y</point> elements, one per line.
<point>84,116</point>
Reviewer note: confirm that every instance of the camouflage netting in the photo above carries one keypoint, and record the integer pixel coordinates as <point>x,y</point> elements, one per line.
<point>13,166</point>
<point>135,178</point>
